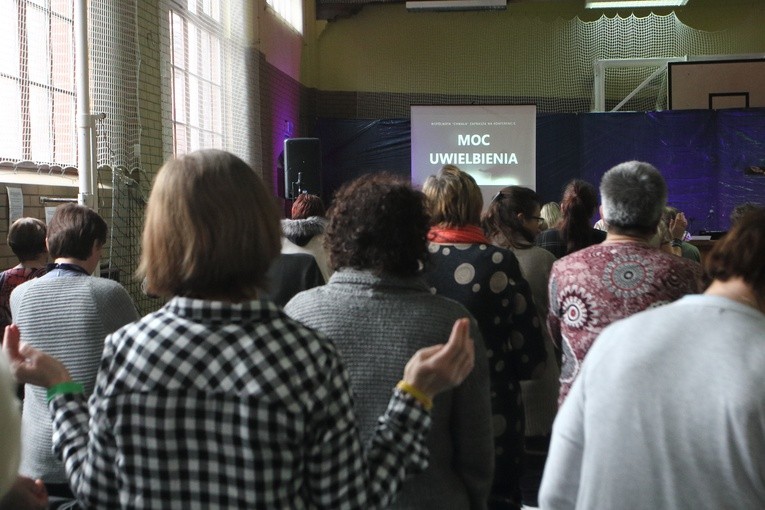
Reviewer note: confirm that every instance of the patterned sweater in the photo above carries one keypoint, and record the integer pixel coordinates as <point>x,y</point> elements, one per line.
<point>68,317</point>
<point>9,280</point>
<point>377,323</point>
<point>598,285</point>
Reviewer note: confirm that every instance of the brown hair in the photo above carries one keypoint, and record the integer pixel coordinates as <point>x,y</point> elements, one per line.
<point>306,205</point>
<point>740,210</point>
<point>26,237</point>
<point>379,223</point>
<point>580,199</point>
<point>501,218</point>
<point>454,198</point>
<point>73,231</point>
<point>739,254</point>
<point>211,231</point>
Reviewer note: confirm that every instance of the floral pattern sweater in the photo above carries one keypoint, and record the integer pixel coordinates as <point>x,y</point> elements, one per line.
<point>598,285</point>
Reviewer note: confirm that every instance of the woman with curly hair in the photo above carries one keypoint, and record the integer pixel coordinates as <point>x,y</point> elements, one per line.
<point>378,311</point>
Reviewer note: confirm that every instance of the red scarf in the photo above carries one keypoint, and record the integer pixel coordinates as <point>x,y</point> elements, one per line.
<point>469,234</point>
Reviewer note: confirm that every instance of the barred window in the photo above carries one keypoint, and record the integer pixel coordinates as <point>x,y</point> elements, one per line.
<point>197,64</point>
<point>37,86</point>
<point>290,11</point>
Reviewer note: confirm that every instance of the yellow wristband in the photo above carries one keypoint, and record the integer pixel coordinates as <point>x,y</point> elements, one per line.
<point>422,398</point>
<point>63,388</point>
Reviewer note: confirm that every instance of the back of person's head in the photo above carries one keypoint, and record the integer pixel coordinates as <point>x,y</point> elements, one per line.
<point>669,214</point>
<point>306,205</point>
<point>378,222</point>
<point>551,214</point>
<point>634,195</point>
<point>26,237</point>
<point>740,210</point>
<point>211,230</point>
<point>739,254</point>
<point>454,198</point>
<point>502,215</point>
<point>580,199</point>
<point>74,230</point>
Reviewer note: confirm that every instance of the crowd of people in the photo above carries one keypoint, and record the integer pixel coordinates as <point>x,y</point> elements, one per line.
<point>404,348</point>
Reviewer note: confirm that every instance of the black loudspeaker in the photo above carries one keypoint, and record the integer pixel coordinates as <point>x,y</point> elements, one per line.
<point>302,166</point>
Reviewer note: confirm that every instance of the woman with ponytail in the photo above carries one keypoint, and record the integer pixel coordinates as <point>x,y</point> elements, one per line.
<point>573,232</point>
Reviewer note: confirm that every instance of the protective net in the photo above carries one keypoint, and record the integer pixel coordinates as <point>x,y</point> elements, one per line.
<point>202,53</point>
<point>204,45</point>
<point>553,64</point>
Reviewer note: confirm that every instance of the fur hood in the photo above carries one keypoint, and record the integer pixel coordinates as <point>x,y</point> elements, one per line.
<point>302,231</point>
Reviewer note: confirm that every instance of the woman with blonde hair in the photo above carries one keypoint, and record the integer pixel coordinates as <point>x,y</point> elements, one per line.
<point>487,280</point>
<point>218,399</point>
<point>550,213</point>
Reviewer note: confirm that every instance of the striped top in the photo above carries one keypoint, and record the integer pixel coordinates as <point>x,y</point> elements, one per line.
<point>67,315</point>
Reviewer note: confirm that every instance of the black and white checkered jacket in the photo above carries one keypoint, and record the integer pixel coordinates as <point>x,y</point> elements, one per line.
<point>215,405</point>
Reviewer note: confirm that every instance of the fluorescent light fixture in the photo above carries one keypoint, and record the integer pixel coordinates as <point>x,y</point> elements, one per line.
<point>455,5</point>
<point>618,4</point>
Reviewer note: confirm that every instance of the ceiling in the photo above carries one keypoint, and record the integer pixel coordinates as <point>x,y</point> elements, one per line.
<point>333,9</point>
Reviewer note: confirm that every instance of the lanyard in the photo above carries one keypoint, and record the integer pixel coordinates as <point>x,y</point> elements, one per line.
<point>68,267</point>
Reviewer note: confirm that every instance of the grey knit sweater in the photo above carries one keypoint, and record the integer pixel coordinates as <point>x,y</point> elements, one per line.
<point>68,317</point>
<point>377,323</point>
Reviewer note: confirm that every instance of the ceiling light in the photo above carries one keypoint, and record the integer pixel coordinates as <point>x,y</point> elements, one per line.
<point>618,4</point>
<point>455,5</point>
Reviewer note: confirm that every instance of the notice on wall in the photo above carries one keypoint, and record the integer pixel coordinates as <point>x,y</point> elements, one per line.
<point>15,204</point>
<point>49,210</point>
<point>496,144</point>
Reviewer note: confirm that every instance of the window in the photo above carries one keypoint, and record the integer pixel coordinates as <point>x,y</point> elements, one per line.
<point>290,10</point>
<point>197,63</point>
<point>37,82</point>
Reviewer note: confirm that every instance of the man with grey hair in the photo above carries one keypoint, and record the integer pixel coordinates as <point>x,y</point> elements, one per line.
<point>623,275</point>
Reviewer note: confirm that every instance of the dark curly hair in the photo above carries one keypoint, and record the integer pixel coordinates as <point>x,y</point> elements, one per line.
<point>378,222</point>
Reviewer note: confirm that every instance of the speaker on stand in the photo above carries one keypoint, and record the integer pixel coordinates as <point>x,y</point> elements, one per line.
<point>302,167</point>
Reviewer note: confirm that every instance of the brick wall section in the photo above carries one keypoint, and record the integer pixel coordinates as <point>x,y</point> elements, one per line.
<point>34,208</point>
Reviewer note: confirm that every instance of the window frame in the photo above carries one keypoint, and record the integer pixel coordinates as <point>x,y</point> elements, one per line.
<point>26,85</point>
<point>212,127</point>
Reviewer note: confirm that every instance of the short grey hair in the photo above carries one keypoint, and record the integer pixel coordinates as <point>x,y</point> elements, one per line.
<point>634,195</point>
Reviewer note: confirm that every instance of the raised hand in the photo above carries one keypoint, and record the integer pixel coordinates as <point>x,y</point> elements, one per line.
<point>677,226</point>
<point>30,365</point>
<point>440,367</point>
<point>25,494</point>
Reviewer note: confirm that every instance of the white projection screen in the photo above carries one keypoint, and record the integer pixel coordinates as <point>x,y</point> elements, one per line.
<point>496,144</point>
